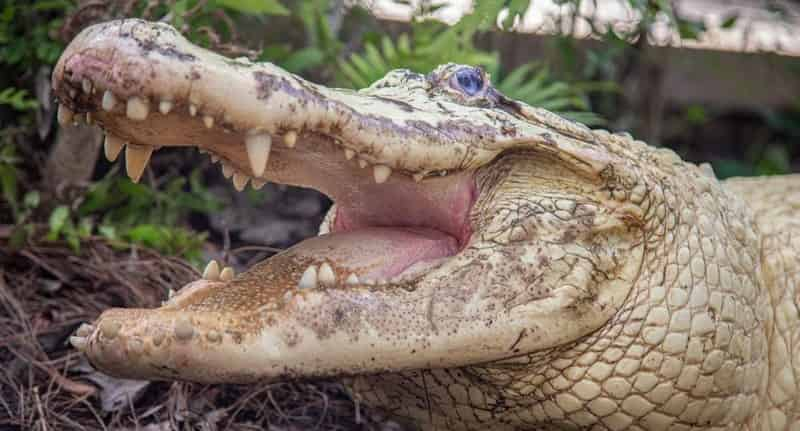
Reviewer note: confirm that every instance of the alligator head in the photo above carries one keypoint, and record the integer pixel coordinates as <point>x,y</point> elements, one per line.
<point>468,230</point>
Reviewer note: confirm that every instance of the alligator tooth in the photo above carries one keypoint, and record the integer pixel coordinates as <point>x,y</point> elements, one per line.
<point>112,146</point>
<point>79,343</point>
<point>87,86</point>
<point>137,109</point>
<point>165,106</point>
<point>73,93</point>
<point>170,294</point>
<point>309,278</point>
<point>192,109</point>
<point>84,330</point>
<point>227,170</point>
<point>208,121</point>
<point>89,118</point>
<point>211,273</point>
<point>290,138</point>
<point>227,274</point>
<point>418,176</point>
<point>109,101</point>
<point>65,115</point>
<point>381,173</point>
<point>352,279</point>
<point>362,163</point>
<point>258,147</point>
<point>349,154</point>
<point>136,158</point>
<point>214,158</point>
<point>326,274</point>
<point>240,181</point>
<point>257,184</point>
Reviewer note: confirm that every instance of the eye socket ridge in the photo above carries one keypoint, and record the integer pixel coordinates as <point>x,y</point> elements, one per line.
<point>469,80</point>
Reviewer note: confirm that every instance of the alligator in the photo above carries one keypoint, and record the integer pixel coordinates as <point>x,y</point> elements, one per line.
<point>486,264</point>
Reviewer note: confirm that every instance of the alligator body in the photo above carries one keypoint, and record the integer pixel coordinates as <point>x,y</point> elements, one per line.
<point>486,264</point>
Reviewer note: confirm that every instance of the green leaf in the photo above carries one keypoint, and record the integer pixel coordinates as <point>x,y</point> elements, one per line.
<point>730,20</point>
<point>31,199</point>
<point>58,219</point>
<point>255,7</point>
<point>303,59</point>
<point>146,234</point>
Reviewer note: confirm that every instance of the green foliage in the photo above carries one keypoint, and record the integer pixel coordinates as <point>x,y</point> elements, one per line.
<point>26,33</point>
<point>18,99</point>
<point>253,7</point>
<point>128,213</point>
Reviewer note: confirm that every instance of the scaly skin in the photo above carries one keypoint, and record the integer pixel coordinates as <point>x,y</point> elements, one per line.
<point>597,283</point>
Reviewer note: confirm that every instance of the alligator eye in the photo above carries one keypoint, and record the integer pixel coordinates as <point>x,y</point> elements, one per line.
<point>469,80</point>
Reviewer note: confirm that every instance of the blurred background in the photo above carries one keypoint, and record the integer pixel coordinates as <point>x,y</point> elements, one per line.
<point>717,81</point>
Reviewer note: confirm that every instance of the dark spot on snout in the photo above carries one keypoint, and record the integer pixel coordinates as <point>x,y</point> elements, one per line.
<point>269,84</point>
<point>168,50</point>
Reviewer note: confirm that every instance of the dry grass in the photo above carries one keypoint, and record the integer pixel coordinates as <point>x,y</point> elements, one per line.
<point>47,291</point>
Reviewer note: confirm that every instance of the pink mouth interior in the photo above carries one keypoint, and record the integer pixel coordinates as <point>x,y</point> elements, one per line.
<point>381,230</point>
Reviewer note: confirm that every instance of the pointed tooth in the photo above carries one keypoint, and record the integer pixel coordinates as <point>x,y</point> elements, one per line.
<point>290,138</point>
<point>87,86</point>
<point>109,101</point>
<point>257,184</point>
<point>89,118</point>
<point>349,154</point>
<point>258,147</point>
<point>65,115</point>
<point>170,294</point>
<point>192,109</point>
<point>381,173</point>
<point>79,343</point>
<point>240,181</point>
<point>112,146</point>
<point>309,278</point>
<point>352,279</point>
<point>326,275</point>
<point>73,93</point>
<point>227,274</point>
<point>214,158</point>
<point>362,163</point>
<point>227,170</point>
<point>208,121</point>
<point>136,158</point>
<point>137,109</point>
<point>202,150</point>
<point>84,330</point>
<point>211,273</point>
<point>165,106</point>
<point>418,176</point>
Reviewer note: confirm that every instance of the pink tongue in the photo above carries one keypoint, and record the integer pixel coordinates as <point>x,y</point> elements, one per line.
<point>376,252</point>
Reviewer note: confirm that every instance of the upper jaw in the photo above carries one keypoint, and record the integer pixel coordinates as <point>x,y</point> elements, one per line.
<point>148,86</point>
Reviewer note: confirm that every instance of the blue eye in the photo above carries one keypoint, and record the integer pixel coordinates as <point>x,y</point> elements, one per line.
<point>470,80</point>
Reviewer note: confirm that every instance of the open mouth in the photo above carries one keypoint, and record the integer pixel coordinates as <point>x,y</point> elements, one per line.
<point>392,220</point>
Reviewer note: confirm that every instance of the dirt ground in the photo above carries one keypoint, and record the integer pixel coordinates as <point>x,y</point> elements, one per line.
<point>46,292</point>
